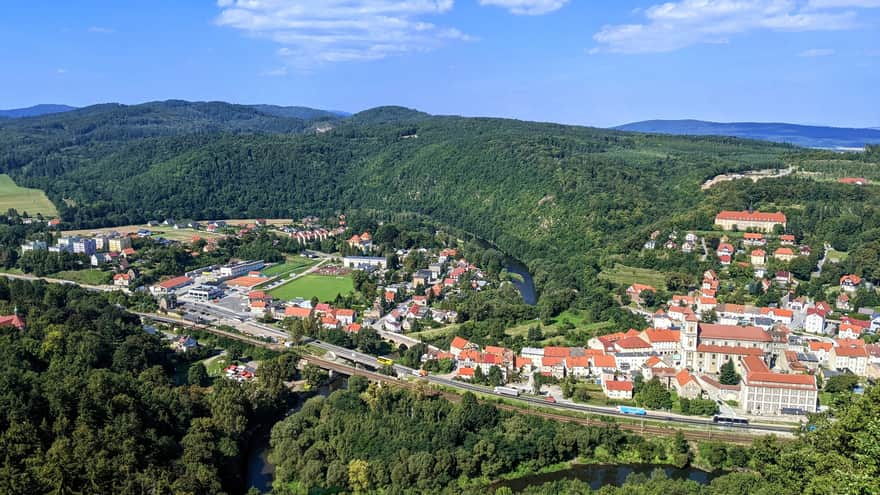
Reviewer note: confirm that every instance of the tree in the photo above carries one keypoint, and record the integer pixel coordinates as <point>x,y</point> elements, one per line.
<point>197,374</point>
<point>729,376</point>
<point>841,383</point>
<point>649,298</point>
<point>535,334</point>
<point>359,475</point>
<point>654,395</point>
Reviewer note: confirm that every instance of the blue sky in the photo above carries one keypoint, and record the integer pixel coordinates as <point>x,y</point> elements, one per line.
<point>574,61</point>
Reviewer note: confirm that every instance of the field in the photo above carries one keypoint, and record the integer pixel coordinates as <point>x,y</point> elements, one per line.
<point>835,256</point>
<point>324,288</point>
<point>294,265</point>
<point>625,276</point>
<point>32,201</point>
<point>88,277</point>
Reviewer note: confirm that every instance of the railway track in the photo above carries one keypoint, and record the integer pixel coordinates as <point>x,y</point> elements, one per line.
<point>643,427</point>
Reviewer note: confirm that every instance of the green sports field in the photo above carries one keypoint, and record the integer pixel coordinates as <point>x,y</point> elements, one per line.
<point>323,287</point>
<point>283,269</point>
<point>32,201</point>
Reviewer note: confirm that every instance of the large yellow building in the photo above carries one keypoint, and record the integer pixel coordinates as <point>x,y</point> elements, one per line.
<point>745,220</point>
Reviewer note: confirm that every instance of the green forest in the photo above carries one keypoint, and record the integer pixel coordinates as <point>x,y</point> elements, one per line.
<point>90,403</point>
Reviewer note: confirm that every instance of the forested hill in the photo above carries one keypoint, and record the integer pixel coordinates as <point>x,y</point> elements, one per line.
<point>535,189</point>
<point>34,111</point>
<point>801,135</point>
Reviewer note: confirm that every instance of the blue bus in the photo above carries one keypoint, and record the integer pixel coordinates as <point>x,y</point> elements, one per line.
<point>638,411</point>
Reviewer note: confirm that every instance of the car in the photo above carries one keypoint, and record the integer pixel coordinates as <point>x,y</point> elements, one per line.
<point>720,403</point>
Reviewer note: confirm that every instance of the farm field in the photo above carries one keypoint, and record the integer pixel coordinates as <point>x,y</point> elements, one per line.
<point>625,276</point>
<point>323,287</point>
<point>32,201</point>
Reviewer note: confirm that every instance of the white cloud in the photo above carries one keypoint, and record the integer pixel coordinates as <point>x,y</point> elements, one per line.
<point>817,52</point>
<point>61,71</point>
<point>527,7</point>
<point>313,32</point>
<point>836,4</point>
<point>101,30</point>
<point>674,25</point>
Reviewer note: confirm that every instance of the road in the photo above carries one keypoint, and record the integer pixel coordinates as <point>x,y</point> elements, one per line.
<point>818,272</point>
<point>33,278</point>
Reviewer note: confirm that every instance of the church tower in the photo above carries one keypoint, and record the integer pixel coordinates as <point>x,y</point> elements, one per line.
<point>688,337</point>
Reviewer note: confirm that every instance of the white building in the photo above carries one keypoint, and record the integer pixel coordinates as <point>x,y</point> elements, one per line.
<point>362,262</point>
<point>239,269</point>
<point>814,322</point>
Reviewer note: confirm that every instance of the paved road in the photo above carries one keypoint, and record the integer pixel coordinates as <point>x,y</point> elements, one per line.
<point>32,278</point>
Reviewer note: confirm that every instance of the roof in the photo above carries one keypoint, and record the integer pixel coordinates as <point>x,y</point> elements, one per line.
<point>632,343</point>
<point>329,320</point>
<point>730,349</point>
<point>751,216</point>
<point>655,335</point>
<point>459,342</point>
<point>246,281</point>
<point>258,304</point>
<point>12,320</point>
<point>638,288</point>
<point>344,312</point>
<point>519,362</point>
<point>578,362</point>
<point>557,351</point>
<point>820,346</point>
<point>781,313</point>
<point>256,294</point>
<point>733,332</point>
<point>786,237</point>
<point>848,327</point>
<point>753,235</point>
<point>851,279</point>
<point>758,252</point>
<point>783,251</point>
<point>297,312</point>
<point>175,282</point>
<point>551,361</point>
<point>781,379</point>
<point>755,364</point>
<point>618,385</point>
<point>684,377</point>
<point>465,372</point>
<point>604,361</point>
<point>653,361</point>
<point>494,349</point>
<point>850,350</point>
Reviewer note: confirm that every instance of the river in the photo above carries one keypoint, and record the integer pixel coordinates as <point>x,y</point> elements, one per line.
<point>599,475</point>
<point>526,287</point>
<point>260,472</point>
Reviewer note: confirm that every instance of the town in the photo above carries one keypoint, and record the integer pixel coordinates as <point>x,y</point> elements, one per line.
<point>736,361</point>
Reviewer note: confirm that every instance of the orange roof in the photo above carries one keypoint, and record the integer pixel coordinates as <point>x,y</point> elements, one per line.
<point>782,313</point>
<point>12,320</point>
<point>730,349</point>
<point>459,343</point>
<point>783,251</point>
<point>755,364</point>
<point>258,304</point>
<point>604,361</point>
<point>121,276</point>
<point>759,252</point>
<point>618,385</point>
<point>632,343</point>
<point>733,332</point>
<point>256,294</point>
<point>519,362</point>
<point>128,251</point>
<point>786,237</point>
<point>297,312</point>
<point>851,350</point>
<point>494,349</point>
<point>750,216</point>
<point>825,346</point>
<point>655,335</point>
<point>578,362</point>
<point>354,328</point>
<point>465,372</point>
<point>329,320</point>
<point>638,288</point>
<point>652,361</point>
<point>175,282</point>
<point>247,281</point>
<point>853,180</point>
<point>779,378</point>
<point>344,312</point>
<point>851,279</point>
<point>753,235</point>
<point>849,327</point>
<point>560,352</point>
<point>683,377</point>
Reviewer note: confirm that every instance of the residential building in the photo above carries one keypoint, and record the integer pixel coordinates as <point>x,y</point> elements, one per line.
<point>117,244</point>
<point>171,285</point>
<point>784,254</point>
<point>122,280</point>
<point>849,355</point>
<point>686,385</point>
<point>13,320</point>
<point>814,322</point>
<point>617,389</point>
<point>364,262</point>
<point>748,220</point>
<point>634,292</point>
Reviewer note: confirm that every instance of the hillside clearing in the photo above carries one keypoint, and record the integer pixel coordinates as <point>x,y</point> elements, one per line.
<point>625,276</point>
<point>32,201</point>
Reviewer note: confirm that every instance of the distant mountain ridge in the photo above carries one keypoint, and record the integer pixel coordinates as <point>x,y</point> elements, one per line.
<point>801,135</point>
<point>35,111</point>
